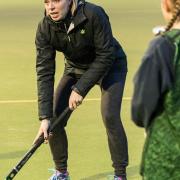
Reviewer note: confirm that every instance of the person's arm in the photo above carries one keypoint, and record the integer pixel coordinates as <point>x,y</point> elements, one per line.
<point>45,67</point>
<point>152,80</point>
<point>103,43</point>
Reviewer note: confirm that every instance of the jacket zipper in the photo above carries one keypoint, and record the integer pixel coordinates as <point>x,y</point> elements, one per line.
<point>67,32</point>
<point>69,38</point>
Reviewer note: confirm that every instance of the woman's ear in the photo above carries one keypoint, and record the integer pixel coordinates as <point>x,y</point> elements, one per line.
<point>167,5</point>
<point>167,9</point>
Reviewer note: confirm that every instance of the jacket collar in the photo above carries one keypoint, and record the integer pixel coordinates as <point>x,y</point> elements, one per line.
<point>78,18</point>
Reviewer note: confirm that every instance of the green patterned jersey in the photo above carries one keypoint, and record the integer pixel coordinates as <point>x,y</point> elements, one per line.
<point>161,156</point>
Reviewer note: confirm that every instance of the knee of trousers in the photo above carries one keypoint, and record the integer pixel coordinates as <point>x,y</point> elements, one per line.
<point>111,120</point>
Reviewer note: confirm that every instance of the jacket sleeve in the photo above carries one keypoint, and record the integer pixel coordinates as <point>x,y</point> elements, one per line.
<point>45,68</point>
<point>104,55</point>
<point>152,80</point>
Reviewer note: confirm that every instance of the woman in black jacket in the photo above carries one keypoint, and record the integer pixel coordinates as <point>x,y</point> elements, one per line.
<point>82,32</point>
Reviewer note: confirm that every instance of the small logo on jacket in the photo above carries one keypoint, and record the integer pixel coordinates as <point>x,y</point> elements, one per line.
<point>82,31</point>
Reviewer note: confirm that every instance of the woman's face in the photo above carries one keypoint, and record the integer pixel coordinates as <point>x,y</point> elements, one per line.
<point>57,9</point>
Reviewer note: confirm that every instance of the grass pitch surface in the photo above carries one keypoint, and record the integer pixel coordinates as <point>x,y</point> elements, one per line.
<point>89,158</point>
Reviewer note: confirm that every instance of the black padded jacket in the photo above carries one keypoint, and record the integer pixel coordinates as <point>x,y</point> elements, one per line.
<point>89,48</point>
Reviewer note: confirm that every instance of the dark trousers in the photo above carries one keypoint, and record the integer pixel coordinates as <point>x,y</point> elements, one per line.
<point>112,87</point>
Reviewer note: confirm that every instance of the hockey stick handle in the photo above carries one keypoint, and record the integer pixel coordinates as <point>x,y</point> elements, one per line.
<point>35,146</point>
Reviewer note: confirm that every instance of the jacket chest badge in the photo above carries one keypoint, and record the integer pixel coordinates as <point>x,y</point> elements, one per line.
<point>82,31</point>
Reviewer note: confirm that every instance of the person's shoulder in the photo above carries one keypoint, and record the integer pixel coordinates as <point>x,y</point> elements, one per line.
<point>43,23</point>
<point>91,6</point>
<point>158,48</point>
<point>94,9</point>
<point>160,42</point>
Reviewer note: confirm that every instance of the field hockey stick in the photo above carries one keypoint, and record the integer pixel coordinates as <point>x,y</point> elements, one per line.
<point>36,145</point>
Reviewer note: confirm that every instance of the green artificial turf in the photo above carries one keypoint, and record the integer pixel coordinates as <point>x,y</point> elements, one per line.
<point>89,159</point>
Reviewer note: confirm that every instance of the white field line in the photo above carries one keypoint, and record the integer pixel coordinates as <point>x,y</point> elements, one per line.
<point>35,101</point>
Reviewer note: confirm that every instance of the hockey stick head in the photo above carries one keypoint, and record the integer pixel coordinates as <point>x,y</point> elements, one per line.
<point>35,146</point>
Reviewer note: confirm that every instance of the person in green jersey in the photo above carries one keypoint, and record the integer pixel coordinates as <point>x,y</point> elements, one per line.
<point>156,99</point>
